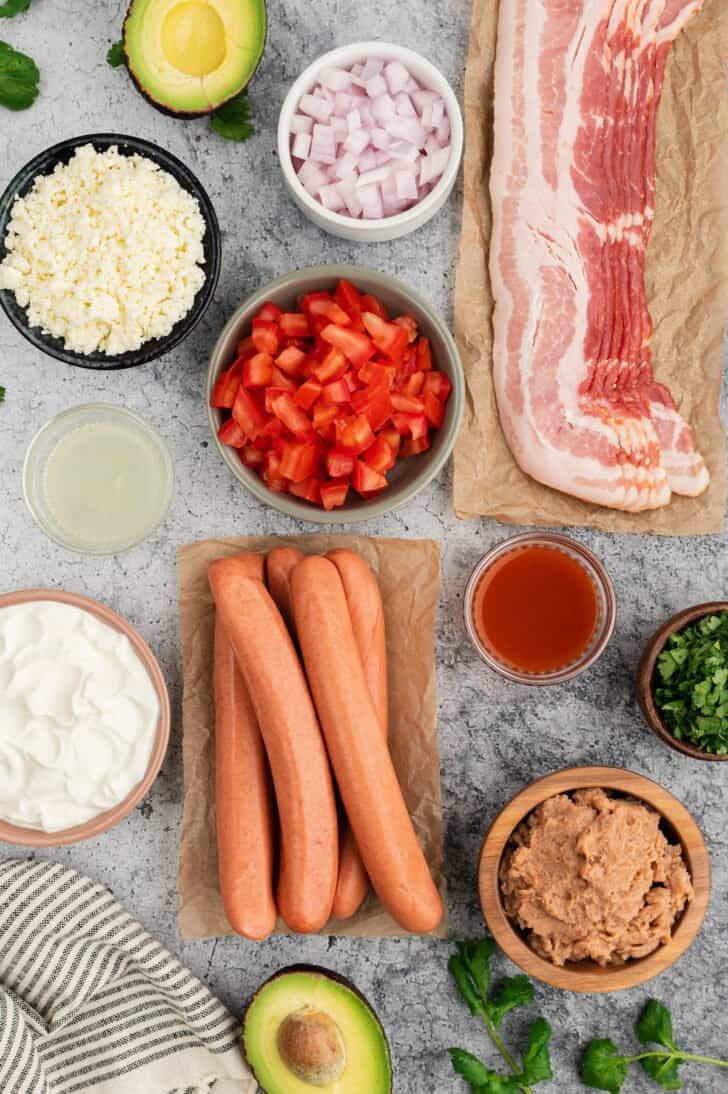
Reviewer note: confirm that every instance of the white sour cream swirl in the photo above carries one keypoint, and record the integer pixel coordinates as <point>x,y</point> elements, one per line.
<point>78,716</point>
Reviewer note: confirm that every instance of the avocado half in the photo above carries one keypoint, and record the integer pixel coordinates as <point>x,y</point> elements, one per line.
<point>308,1030</point>
<point>188,57</point>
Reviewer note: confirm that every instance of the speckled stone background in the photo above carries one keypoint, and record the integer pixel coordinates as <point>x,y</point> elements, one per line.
<point>494,737</point>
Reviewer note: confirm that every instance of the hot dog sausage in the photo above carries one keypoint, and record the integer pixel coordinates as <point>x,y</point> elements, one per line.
<point>367,620</point>
<point>359,755</point>
<point>278,566</point>
<point>309,856</point>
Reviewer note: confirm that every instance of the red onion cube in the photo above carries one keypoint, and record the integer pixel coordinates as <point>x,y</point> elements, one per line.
<point>312,177</point>
<point>340,128</point>
<point>426,117</point>
<point>397,76</point>
<point>301,124</point>
<point>383,108</point>
<point>404,107</point>
<point>438,112</point>
<point>316,107</point>
<point>367,160</point>
<point>380,138</point>
<point>337,79</point>
<point>347,189</point>
<point>407,129</point>
<point>411,85</point>
<point>367,118</point>
<point>422,98</point>
<point>372,67</point>
<point>406,185</point>
<point>301,147</point>
<point>356,142</point>
<point>353,120</point>
<point>345,166</point>
<point>331,198</point>
<point>376,86</point>
<point>373,177</point>
<point>383,157</point>
<point>342,103</point>
<point>371,202</point>
<point>431,167</point>
<point>401,150</point>
<point>443,131</point>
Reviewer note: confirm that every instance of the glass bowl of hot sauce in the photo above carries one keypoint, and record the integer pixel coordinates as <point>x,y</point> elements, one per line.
<point>539,608</point>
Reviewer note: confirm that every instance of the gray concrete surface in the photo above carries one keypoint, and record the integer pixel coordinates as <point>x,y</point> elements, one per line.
<point>494,737</point>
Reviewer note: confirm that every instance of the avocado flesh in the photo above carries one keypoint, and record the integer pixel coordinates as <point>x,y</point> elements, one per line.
<point>367,1068</point>
<point>191,56</point>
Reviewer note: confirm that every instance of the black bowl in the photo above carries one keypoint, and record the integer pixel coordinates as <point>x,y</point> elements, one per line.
<point>43,164</point>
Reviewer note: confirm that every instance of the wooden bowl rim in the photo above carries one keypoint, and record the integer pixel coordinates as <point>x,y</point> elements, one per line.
<point>32,837</point>
<point>587,976</point>
<point>646,671</point>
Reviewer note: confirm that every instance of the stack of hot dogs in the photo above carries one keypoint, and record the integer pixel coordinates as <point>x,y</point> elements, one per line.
<point>291,729</point>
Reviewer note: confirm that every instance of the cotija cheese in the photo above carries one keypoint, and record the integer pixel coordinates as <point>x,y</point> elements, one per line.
<point>105,252</point>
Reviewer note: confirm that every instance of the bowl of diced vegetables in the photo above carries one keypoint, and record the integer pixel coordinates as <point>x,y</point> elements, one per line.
<point>370,139</point>
<point>682,683</point>
<point>335,394</point>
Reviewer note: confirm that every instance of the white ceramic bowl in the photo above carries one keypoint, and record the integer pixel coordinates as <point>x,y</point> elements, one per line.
<point>371,231</point>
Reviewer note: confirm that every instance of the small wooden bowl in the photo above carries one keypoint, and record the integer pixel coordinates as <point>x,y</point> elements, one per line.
<point>646,672</point>
<point>33,837</point>
<point>587,976</point>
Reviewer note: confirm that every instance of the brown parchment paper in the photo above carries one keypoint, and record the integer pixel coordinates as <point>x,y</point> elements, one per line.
<point>408,572</point>
<point>687,285</point>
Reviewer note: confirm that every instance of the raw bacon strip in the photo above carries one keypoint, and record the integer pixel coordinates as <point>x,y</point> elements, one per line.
<point>577,88</point>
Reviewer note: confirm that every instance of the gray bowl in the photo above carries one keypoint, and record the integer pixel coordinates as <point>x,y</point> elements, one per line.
<point>408,476</point>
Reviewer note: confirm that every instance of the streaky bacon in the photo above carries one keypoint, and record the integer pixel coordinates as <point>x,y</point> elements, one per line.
<point>577,88</point>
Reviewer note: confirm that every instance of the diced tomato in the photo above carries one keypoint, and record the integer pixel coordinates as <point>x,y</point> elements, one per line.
<point>434,409</point>
<point>336,392</point>
<point>409,323</point>
<point>269,436</point>
<point>252,456</point>
<point>321,305</point>
<point>332,367</point>
<point>226,386</point>
<point>232,434</point>
<point>348,297</point>
<point>266,336</point>
<point>308,393</point>
<point>309,490</point>
<point>355,345</point>
<point>293,418</point>
<point>406,367</point>
<point>414,384</point>
<point>393,439</point>
<point>290,360</point>
<point>354,435</point>
<point>374,305</point>
<point>351,380</point>
<point>375,373</point>
<point>258,370</point>
<point>323,419</point>
<point>246,347</point>
<point>366,480</point>
<point>380,456</point>
<point>248,413</point>
<point>333,494</point>
<point>270,311</point>
<point>439,384</point>
<point>375,403</point>
<point>271,393</point>
<point>424,357</point>
<point>413,446</point>
<point>279,379</point>
<point>407,404</point>
<point>389,338</point>
<point>295,325</point>
<point>411,425</point>
<point>339,464</point>
<point>299,460</point>
<point>272,476</point>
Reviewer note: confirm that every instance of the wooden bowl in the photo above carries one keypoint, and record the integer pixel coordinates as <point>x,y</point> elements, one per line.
<point>33,837</point>
<point>587,976</point>
<point>646,671</point>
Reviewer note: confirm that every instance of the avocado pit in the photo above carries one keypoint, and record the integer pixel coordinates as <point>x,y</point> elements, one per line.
<point>312,1047</point>
<point>193,38</point>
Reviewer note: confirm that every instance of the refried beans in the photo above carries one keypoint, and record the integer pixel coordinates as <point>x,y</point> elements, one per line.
<point>591,876</point>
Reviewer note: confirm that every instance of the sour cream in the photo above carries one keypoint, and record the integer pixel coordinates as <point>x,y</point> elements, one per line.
<point>78,716</point>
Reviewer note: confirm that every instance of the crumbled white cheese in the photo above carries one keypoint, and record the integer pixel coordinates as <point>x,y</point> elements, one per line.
<point>105,252</point>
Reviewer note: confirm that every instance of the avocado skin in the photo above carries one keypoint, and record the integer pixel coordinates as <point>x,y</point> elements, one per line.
<point>186,115</point>
<point>318,970</point>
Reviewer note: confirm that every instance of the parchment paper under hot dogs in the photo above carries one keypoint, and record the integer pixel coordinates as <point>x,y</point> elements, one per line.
<point>410,606</point>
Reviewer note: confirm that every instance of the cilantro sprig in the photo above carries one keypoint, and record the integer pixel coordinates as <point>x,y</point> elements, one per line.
<point>233,120</point>
<point>116,56</point>
<point>603,1068</point>
<point>471,971</point>
<point>691,685</point>
<point>13,7</point>
<point>19,78</point>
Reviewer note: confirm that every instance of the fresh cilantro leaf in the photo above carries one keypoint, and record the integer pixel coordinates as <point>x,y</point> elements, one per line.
<point>602,1068</point>
<point>19,78</point>
<point>116,55</point>
<point>465,985</point>
<point>514,991</point>
<point>476,958</point>
<point>233,120</point>
<point>537,1061</point>
<point>2,394</point>
<point>469,1066</point>
<point>13,7</point>
<point>499,1084</point>
<point>655,1025</point>
<point>690,684</point>
<point>664,1071</point>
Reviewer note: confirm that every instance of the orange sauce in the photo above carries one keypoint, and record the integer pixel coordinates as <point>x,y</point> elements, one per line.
<point>536,609</point>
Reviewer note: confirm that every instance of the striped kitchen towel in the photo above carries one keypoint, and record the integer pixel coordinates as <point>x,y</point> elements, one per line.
<point>90,1002</point>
